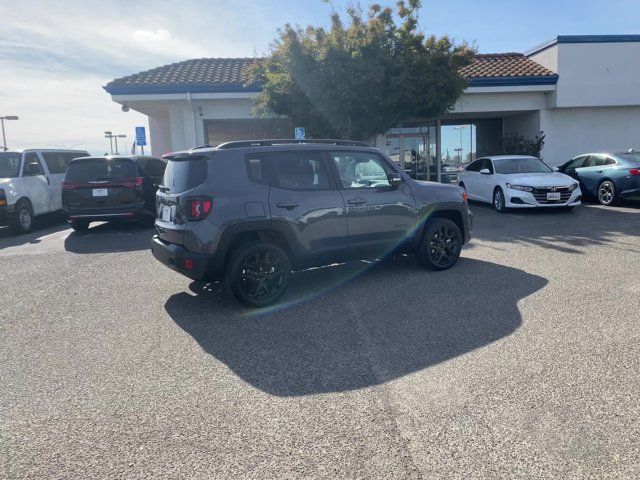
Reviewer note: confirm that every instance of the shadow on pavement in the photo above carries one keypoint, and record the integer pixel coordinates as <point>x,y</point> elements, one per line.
<point>565,231</point>
<point>333,335</point>
<point>111,237</point>
<point>42,225</point>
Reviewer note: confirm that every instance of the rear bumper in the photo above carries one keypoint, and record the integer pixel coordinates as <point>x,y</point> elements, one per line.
<point>196,266</point>
<point>105,214</point>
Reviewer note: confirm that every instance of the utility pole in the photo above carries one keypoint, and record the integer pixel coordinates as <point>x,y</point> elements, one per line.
<point>4,138</point>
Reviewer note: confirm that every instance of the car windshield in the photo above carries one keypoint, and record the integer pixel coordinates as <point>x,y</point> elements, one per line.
<point>520,165</point>
<point>101,169</point>
<point>9,164</point>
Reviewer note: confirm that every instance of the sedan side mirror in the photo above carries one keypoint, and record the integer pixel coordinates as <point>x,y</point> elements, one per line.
<point>485,171</point>
<point>395,180</point>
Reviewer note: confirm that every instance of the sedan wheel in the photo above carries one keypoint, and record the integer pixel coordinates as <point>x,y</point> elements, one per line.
<point>498,201</point>
<point>607,194</point>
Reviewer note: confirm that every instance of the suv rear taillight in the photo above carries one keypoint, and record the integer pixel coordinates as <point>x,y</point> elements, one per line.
<point>133,182</point>
<point>635,172</point>
<point>198,208</point>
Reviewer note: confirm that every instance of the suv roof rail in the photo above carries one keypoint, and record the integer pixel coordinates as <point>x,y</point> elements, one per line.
<point>271,142</point>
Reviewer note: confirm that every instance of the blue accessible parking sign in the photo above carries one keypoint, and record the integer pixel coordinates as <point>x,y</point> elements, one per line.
<point>299,133</point>
<point>141,136</point>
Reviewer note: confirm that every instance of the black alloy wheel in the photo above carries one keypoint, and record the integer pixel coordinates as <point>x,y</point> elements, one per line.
<point>258,274</point>
<point>441,245</point>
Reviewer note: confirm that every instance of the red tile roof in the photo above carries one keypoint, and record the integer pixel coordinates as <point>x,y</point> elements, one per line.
<point>500,65</point>
<point>227,74</point>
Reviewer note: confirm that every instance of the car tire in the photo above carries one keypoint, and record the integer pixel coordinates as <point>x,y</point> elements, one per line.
<point>440,246</point>
<point>80,225</point>
<point>21,221</point>
<point>607,193</point>
<point>258,274</point>
<point>498,201</point>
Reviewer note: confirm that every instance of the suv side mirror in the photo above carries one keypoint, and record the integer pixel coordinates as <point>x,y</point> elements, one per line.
<point>395,180</point>
<point>485,171</point>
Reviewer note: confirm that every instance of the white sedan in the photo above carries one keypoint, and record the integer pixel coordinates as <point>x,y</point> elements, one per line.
<point>509,181</point>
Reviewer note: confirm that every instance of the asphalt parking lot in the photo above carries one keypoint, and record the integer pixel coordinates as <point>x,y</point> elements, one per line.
<point>522,361</point>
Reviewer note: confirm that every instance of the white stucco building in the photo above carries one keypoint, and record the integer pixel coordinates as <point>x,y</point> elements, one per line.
<point>583,92</point>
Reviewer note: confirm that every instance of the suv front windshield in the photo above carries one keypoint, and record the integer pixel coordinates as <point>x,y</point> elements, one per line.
<point>9,165</point>
<point>520,165</point>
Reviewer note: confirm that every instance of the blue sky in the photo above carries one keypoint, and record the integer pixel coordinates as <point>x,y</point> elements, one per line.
<point>54,60</point>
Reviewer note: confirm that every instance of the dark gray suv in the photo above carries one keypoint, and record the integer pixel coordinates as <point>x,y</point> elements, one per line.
<point>251,212</point>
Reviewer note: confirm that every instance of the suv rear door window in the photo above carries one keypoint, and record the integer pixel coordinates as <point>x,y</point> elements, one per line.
<point>300,170</point>
<point>102,169</point>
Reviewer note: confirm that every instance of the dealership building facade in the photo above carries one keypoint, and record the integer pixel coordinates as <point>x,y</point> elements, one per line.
<point>583,92</point>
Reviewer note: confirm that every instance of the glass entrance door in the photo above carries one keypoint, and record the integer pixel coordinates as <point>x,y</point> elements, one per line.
<point>414,150</point>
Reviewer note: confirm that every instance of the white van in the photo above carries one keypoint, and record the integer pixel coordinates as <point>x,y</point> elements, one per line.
<point>30,184</point>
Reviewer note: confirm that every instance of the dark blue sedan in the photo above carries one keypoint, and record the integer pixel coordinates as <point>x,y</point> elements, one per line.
<point>606,176</point>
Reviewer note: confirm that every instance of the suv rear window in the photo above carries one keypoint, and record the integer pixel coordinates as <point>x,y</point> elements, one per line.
<point>185,172</point>
<point>101,169</point>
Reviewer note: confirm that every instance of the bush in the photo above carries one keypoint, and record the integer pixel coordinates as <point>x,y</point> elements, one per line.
<point>515,144</point>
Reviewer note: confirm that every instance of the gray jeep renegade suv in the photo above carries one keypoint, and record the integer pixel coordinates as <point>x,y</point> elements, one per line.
<point>251,212</point>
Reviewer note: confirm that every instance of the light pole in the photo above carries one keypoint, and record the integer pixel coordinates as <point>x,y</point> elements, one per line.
<point>116,137</point>
<point>113,137</point>
<point>109,135</point>
<point>4,138</point>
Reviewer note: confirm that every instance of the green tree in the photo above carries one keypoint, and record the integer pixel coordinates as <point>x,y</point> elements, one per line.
<point>358,80</point>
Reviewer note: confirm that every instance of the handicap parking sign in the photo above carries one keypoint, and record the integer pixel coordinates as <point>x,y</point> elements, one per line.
<point>299,133</point>
<point>141,136</point>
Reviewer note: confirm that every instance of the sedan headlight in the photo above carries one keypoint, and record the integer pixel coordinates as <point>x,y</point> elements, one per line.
<point>524,188</point>
<point>573,186</point>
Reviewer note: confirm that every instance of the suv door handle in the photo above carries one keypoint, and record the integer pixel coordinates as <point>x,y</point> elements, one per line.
<point>288,204</point>
<point>357,201</point>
